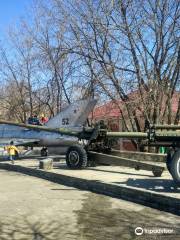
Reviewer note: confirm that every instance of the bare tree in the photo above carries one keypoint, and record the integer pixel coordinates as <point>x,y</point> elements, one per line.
<point>125,51</point>
<point>130,46</point>
<point>16,97</point>
<point>48,35</point>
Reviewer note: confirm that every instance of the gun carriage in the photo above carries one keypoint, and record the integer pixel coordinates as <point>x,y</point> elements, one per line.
<point>96,144</point>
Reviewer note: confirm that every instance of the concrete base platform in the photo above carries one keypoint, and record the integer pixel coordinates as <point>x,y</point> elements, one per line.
<point>120,182</point>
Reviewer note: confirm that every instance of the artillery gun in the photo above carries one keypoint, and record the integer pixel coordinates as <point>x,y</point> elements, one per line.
<point>96,142</point>
<point>100,140</point>
<point>155,135</point>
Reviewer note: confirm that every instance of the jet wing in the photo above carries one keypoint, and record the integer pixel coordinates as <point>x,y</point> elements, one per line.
<point>18,142</point>
<point>63,131</point>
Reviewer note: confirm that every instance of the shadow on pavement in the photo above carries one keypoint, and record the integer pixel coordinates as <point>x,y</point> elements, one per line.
<point>63,166</point>
<point>68,189</point>
<point>108,171</point>
<point>99,220</point>
<point>23,227</point>
<point>157,185</point>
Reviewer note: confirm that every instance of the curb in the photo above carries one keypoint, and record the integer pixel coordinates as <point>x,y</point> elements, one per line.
<point>149,199</point>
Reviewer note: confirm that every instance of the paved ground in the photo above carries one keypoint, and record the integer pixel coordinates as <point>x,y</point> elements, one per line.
<point>122,176</point>
<point>32,208</point>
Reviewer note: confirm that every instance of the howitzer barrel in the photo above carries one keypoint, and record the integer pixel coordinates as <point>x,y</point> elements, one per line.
<point>171,127</point>
<point>63,131</point>
<point>173,136</point>
<point>93,133</point>
<point>166,136</point>
<point>140,135</point>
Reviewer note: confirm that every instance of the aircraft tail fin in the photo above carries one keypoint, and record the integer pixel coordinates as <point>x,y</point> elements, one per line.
<point>74,115</point>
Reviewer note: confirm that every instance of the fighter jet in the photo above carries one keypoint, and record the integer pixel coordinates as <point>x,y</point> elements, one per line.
<point>70,120</point>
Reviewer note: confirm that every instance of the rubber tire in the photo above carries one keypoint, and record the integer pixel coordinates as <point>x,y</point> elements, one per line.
<point>175,167</point>
<point>169,159</point>
<point>82,157</point>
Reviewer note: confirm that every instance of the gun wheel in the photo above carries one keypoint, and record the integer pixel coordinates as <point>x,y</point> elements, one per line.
<point>169,159</point>
<point>175,167</point>
<point>76,157</point>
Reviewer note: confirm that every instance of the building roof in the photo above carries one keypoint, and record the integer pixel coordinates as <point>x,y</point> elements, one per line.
<point>112,109</point>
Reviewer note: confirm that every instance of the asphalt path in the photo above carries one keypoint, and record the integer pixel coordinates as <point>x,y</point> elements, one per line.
<point>33,208</point>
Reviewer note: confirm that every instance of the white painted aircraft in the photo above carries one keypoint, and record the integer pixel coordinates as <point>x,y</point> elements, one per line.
<point>71,119</point>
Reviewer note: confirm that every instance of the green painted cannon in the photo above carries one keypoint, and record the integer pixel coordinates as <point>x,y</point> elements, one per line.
<point>100,140</point>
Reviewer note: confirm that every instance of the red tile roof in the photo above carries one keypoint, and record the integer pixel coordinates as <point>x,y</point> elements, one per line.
<point>113,109</point>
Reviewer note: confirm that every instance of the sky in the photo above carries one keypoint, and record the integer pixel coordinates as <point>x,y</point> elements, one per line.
<point>10,12</point>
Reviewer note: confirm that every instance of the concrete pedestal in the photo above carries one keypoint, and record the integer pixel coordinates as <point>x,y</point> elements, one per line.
<point>46,163</point>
